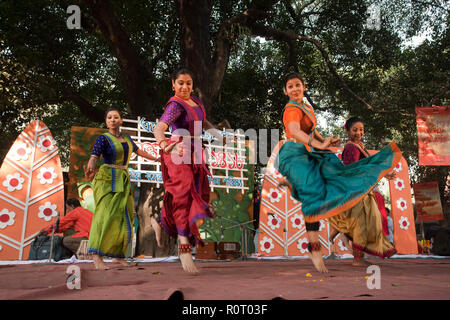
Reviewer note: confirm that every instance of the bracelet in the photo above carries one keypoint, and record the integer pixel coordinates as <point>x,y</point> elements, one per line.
<point>184,248</point>
<point>310,139</point>
<point>313,246</point>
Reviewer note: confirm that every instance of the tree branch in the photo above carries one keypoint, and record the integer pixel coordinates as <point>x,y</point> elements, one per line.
<point>428,4</point>
<point>290,10</point>
<point>287,36</point>
<point>165,46</point>
<point>311,102</point>
<point>338,77</point>
<point>86,108</point>
<point>297,18</point>
<point>305,5</point>
<point>263,5</point>
<point>224,41</point>
<point>133,72</point>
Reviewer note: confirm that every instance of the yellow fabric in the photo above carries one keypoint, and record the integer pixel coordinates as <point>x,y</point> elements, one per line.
<point>115,166</point>
<point>363,224</point>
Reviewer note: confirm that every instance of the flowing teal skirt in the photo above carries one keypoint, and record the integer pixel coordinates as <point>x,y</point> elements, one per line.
<point>327,187</point>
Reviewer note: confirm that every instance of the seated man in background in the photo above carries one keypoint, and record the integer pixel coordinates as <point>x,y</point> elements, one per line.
<point>77,218</point>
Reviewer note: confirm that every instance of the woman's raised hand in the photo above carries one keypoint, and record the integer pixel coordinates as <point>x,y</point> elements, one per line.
<point>329,142</point>
<point>335,141</point>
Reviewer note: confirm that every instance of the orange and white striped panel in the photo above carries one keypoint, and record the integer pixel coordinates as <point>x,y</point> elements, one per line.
<point>405,238</point>
<point>31,190</point>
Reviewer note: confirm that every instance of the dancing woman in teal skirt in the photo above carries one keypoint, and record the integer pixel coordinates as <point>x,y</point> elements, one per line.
<point>317,177</point>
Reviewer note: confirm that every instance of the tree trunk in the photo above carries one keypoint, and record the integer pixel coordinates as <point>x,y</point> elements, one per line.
<point>195,46</point>
<point>146,240</point>
<point>136,77</point>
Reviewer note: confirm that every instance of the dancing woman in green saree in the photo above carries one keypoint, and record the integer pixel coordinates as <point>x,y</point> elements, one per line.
<point>112,223</point>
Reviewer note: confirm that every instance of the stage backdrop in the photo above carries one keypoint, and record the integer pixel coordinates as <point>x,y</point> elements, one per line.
<point>81,142</point>
<point>282,229</point>
<point>433,131</point>
<point>234,210</point>
<point>31,190</point>
<point>428,201</point>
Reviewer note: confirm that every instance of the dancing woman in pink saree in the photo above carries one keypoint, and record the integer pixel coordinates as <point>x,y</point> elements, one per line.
<point>184,170</point>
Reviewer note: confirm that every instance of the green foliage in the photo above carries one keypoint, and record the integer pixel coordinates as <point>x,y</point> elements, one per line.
<point>83,158</point>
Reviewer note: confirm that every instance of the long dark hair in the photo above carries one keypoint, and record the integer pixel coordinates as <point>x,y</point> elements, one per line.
<point>113,108</point>
<point>350,122</point>
<point>293,75</point>
<point>180,71</point>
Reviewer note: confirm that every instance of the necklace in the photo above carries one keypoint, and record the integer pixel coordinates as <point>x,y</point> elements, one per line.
<point>116,135</point>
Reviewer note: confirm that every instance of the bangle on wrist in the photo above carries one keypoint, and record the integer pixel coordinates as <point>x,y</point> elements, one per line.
<point>310,140</point>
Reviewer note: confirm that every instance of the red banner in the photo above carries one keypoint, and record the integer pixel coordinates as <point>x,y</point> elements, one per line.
<point>433,131</point>
<point>428,201</point>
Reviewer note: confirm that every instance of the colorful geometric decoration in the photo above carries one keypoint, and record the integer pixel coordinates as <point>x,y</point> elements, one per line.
<point>405,239</point>
<point>31,190</point>
<point>282,229</point>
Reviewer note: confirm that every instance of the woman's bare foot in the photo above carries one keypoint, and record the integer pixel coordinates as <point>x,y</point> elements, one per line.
<point>315,255</point>
<point>188,263</point>
<point>184,252</point>
<point>358,259</point>
<point>360,263</point>
<point>157,227</point>
<point>99,263</point>
<point>124,263</point>
<point>317,260</point>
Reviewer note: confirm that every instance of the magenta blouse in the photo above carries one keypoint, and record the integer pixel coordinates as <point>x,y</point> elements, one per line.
<point>175,116</point>
<point>351,154</point>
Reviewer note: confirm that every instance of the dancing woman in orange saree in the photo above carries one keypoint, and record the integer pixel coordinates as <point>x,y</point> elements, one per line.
<point>317,177</point>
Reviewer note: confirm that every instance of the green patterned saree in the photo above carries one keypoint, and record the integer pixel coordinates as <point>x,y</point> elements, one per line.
<point>112,224</point>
